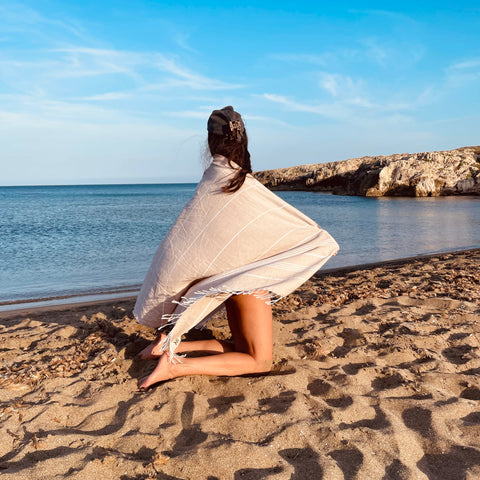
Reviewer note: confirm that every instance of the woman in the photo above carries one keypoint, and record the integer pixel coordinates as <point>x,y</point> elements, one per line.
<point>235,243</point>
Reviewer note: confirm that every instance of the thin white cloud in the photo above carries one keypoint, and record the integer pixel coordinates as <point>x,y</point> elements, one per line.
<point>191,79</point>
<point>375,50</point>
<point>53,61</point>
<point>324,59</point>
<point>390,54</point>
<point>20,18</point>
<point>329,111</point>
<point>54,68</point>
<point>461,74</point>
<point>338,85</point>
<point>182,41</point>
<point>343,109</point>
<point>466,64</point>
<point>81,61</point>
<point>361,102</point>
<point>329,82</point>
<point>313,59</point>
<point>263,119</point>
<point>51,110</point>
<point>60,65</point>
<point>193,114</point>
<point>107,96</point>
<point>345,96</point>
<point>84,62</point>
<point>346,90</point>
<point>397,16</point>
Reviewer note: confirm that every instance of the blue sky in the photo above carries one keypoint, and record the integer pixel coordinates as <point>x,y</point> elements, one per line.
<point>120,92</point>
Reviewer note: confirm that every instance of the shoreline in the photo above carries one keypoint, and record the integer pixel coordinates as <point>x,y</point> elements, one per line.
<point>395,261</point>
<point>66,300</point>
<point>33,306</point>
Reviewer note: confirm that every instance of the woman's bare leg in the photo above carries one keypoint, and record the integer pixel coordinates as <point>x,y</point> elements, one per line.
<point>250,321</point>
<point>154,350</point>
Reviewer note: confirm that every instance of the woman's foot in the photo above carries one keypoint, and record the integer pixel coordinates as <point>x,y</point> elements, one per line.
<point>163,371</point>
<point>154,350</point>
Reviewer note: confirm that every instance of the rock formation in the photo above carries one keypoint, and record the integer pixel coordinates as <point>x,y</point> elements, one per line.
<point>451,172</point>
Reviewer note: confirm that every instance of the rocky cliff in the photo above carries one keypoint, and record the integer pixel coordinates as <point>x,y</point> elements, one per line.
<point>452,172</point>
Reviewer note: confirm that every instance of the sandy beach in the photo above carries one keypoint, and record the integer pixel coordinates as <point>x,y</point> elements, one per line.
<point>376,376</point>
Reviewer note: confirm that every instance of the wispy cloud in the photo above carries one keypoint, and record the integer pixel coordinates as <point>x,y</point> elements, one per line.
<point>462,73</point>
<point>193,114</point>
<point>466,64</point>
<point>75,111</point>
<point>389,53</point>
<point>324,59</point>
<point>77,62</point>
<point>91,61</point>
<point>376,51</point>
<point>182,40</point>
<point>17,17</point>
<point>313,59</point>
<point>396,16</point>
<point>86,62</point>
<point>86,84</point>
<point>107,96</point>
<point>325,110</point>
<point>37,111</point>
<point>186,77</point>
<point>338,85</point>
<point>62,73</point>
<point>343,109</point>
<point>264,119</point>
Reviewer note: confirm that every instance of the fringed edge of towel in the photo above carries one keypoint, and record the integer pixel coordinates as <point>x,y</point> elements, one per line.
<point>171,318</point>
<point>168,344</point>
<point>262,294</point>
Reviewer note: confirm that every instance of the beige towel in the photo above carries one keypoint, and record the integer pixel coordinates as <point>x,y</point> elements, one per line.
<point>224,244</point>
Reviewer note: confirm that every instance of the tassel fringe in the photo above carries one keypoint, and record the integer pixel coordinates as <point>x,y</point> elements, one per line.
<point>170,319</point>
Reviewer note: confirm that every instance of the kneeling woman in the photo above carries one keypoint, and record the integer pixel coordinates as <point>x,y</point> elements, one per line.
<point>235,244</point>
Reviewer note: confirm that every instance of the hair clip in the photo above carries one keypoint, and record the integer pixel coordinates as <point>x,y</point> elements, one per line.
<point>236,130</point>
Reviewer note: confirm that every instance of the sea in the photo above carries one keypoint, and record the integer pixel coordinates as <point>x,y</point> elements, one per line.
<point>81,242</point>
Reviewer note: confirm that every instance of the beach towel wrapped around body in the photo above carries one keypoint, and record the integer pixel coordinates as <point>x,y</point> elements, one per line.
<point>224,244</point>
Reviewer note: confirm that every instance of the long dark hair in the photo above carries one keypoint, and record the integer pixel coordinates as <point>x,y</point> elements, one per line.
<point>235,152</point>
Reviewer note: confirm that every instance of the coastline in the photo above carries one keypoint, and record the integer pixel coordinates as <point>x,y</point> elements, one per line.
<point>375,376</point>
<point>423,174</point>
<point>119,295</point>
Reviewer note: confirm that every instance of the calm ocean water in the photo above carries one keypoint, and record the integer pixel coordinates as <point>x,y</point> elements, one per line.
<point>68,240</point>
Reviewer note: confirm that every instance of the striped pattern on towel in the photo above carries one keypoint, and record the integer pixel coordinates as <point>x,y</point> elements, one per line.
<point>224,244</point>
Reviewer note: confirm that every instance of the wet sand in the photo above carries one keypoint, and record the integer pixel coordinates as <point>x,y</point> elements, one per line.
<point>376,376</point>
